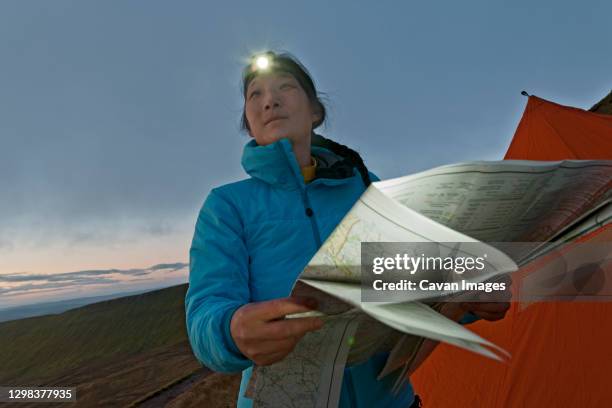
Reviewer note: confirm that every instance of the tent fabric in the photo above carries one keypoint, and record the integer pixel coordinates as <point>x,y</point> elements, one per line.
<point>562,354</point>
<point>548,131</point>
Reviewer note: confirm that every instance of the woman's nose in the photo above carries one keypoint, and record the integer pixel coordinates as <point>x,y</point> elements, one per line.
<point>272,100</point>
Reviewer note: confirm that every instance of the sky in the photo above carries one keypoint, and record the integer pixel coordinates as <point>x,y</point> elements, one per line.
<point>118,117</point>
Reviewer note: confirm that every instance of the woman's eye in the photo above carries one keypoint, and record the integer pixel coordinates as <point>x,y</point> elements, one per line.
<point>254,93</point>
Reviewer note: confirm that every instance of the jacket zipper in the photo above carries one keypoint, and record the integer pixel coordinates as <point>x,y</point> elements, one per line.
<point>307,208</point>
<point>351,389</point>
<point>313,222</point>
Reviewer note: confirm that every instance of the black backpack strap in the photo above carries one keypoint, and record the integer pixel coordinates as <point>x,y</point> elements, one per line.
<point>343,168</point>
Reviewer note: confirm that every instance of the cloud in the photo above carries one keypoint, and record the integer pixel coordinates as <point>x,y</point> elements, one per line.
<point>65,277</point>
<point>159,229</point>
<point>32,288</point>
<point>79,276</point>
<point>27,283</point>
<point>21,277</point>
<point>174,266</point>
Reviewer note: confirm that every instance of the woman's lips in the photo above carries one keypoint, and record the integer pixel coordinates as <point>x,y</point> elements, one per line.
<point>274,120</point>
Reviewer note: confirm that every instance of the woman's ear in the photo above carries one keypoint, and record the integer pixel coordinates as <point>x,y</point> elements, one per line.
<point>316,113</point>
<point>246,125</point>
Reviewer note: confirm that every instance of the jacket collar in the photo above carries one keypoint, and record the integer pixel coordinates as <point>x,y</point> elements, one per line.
<point>276,164</point>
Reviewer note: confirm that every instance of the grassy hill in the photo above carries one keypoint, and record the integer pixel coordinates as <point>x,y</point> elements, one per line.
<point>118,352</point>
<point>36,348</point>
<point>47,308</point>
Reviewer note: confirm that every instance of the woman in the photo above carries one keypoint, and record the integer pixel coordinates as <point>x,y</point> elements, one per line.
<point>254,237</point>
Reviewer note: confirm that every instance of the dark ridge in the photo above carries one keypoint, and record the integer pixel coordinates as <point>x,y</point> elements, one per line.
<point>604,106</point>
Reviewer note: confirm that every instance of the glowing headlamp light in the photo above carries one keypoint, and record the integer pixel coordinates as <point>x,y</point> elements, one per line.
<point>261,63</point>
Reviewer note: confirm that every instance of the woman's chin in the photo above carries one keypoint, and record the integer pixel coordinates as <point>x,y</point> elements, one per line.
<point>269,139</point>
<point>273,137</point>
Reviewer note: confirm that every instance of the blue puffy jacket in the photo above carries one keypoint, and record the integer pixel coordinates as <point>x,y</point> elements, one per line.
<point>252,239</point>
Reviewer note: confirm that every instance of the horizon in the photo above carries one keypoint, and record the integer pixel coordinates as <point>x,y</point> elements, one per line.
<point>112,295</point>
<point>22,289</point>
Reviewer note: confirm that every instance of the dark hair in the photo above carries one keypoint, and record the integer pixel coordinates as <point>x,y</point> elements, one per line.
<point>285,62</point>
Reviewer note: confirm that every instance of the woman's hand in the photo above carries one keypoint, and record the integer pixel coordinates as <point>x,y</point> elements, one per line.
<point>492,306</point>
<point>493,310</point>
<point>264,336</point>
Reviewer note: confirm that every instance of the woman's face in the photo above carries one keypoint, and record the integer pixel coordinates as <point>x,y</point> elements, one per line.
<point>276,107</point>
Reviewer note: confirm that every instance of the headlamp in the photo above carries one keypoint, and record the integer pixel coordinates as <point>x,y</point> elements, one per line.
<point>261,62</point>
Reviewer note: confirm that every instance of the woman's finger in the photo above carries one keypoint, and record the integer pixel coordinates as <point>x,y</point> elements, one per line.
<point>497,296</point>
<point>261,348</point>
<point>492,317</point>
<point>492,307</point>
<point>279,308</point>
<point>289,328</point>
<point>270,358</point>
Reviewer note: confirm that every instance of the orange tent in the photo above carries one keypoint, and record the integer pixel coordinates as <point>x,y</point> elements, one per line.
<point>561,351</point>
<point>548,131</point>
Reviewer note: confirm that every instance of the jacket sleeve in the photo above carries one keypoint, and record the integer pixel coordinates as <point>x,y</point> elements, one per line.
<point>218,284</point>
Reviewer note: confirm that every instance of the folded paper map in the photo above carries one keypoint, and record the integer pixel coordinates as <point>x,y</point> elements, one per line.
<point>477,203</point>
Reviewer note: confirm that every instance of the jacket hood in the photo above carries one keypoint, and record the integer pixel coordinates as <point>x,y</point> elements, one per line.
<point>276,163</point>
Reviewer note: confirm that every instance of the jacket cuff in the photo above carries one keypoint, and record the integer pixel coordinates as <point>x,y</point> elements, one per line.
<point>468,318</point>
<point>227,334</point>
